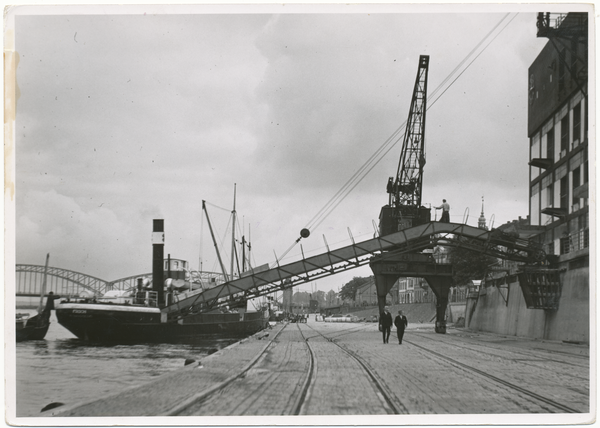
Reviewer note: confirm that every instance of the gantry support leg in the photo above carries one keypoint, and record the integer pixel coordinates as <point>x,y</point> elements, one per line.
<point>389,267</point>
<point>440,285</point>
<point>383,284</point>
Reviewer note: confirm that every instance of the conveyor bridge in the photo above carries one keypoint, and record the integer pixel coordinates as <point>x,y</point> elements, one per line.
<point>408,241</point>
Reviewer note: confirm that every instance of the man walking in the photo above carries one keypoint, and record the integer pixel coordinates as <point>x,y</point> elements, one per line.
<point>385,324</point>
<point>401,323</point>
<point>445,207</point>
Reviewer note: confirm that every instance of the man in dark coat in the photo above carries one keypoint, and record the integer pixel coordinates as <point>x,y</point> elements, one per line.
<point>401,323</point>
<point>385,324</point>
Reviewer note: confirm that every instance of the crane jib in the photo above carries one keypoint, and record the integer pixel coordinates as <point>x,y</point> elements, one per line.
<point>409,177</point>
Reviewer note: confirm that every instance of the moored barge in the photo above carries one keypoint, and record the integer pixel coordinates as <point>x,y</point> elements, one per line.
<point>154,315</point>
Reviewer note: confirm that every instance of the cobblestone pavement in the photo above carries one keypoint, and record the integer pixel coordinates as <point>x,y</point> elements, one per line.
<point>270,388</point>
<point>432,373</point>
<point>459,373</point>
<point>339,387</point>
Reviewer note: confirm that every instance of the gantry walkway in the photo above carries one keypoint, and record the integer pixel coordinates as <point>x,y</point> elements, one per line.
<point>255,284</point>
<point>418,238</point>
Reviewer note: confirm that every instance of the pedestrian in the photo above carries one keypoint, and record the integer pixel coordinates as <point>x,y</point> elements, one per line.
<point>401,323</point>
<point>445,207</point>
<point>385,324</point>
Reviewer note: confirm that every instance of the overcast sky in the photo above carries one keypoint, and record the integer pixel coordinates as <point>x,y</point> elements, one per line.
<point>122,119</point>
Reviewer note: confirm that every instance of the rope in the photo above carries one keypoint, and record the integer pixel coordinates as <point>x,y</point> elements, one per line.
<point>390,143</point>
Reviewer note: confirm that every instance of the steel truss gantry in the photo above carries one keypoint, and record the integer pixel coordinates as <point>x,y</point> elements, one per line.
<point>411,240</point>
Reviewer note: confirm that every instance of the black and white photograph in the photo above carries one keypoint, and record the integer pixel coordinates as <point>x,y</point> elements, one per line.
<point>299,214</point>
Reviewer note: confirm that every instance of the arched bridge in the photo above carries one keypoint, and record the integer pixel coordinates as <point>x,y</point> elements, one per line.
<point>30,278</point>
<point>64,282</point>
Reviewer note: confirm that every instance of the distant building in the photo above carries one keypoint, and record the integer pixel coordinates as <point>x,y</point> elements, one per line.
<point>413,290</point>
<point>366,294</point>
<point>481,222</point>
<point>518,227</point>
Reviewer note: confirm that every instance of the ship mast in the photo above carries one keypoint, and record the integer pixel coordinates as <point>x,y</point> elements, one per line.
<point>233,252</point>
<point>41,306</point>
<point>214,240</point>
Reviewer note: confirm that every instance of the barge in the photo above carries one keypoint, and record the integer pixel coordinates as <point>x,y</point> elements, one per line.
<point>154,315</point>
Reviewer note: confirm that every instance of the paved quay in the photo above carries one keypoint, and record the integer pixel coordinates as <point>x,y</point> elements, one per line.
<point>322,368</point>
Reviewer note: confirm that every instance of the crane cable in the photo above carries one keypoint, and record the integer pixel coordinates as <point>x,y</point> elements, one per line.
<point>393,139</point>
<point>391,142</point>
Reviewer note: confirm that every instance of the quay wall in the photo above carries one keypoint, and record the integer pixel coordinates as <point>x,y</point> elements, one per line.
<point>455,311</point>
<point>503,311</point>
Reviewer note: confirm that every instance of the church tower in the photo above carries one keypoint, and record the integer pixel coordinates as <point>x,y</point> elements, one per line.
<point>481,223</point>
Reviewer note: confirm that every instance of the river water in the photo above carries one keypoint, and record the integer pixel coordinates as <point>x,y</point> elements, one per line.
<point>61,368</point>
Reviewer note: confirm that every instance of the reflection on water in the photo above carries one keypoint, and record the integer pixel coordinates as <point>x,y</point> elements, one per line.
<point>61,368</point>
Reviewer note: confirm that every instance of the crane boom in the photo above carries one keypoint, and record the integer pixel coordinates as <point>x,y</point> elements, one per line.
<point>412,157</point>
<point>404,207</point>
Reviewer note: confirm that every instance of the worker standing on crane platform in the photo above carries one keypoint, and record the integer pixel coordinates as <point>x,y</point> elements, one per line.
<point>445,207</point>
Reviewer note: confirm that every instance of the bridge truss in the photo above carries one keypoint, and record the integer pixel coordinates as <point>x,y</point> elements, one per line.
<point>63,282</point>
<point>68,283</point>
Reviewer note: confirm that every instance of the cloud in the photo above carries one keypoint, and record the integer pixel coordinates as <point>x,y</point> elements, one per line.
<point>75,238</point>
<point>126,118</point>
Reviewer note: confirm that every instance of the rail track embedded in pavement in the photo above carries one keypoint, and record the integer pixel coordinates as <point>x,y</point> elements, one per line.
<point>383,392</point>
<point>561,407</point>
<point>305,381</point>
<point>294,382</point>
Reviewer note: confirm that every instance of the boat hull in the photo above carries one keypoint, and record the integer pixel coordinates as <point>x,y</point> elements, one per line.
<point>35,328</point>
<point>101,323</point>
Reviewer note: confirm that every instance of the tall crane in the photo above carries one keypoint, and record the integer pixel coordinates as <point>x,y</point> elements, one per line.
<point>406,232</point>
<point>404,208</point>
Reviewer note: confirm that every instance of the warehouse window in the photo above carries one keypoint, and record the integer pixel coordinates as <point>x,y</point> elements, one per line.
<point>564,135</point>
<point>576,183</point>
<point>564,193</point>
<point>550,144</point>
<point>550,195</point>
<point>577,124</point>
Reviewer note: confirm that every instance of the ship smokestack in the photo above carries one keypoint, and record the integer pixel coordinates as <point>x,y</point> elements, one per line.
<point>158,249</point>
